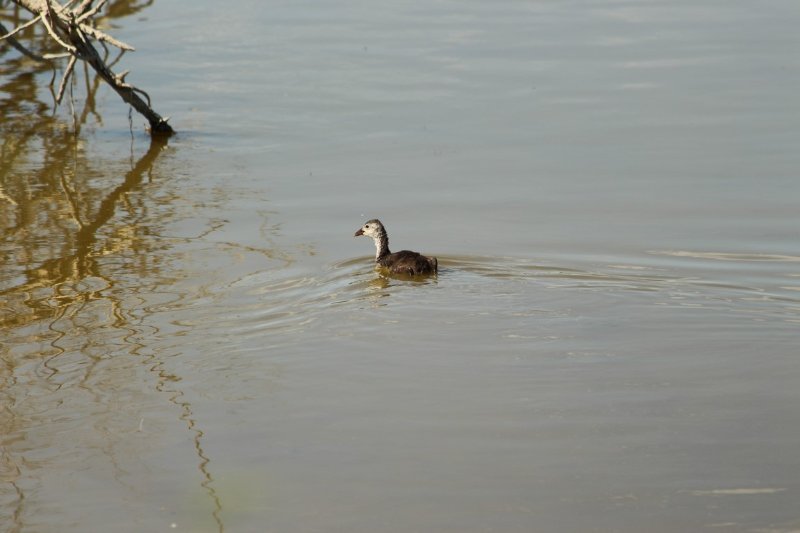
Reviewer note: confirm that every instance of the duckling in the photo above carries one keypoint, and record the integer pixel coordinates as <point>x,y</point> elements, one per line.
<point>403,262</point>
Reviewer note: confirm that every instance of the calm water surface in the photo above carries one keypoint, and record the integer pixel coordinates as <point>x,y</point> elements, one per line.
<point>192,340</point>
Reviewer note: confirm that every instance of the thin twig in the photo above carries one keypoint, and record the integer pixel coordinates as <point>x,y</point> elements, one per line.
<point>100,36</point>
<point>105,51</point>
<point>143,93</point>
<point>67,74</point>
<point>116,59</point>
<point>86,4</point>
<point>56,56</point>
<point>83,15</point>
<point>21,49</point>
<point>20,28</point>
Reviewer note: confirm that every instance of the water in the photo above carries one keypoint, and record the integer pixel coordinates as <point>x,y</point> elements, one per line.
<point>194,341</point>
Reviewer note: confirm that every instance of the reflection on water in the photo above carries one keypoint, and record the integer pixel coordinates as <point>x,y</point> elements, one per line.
<point>72,253</point>
<point>86,349</point>
<point>78,245</point>
<point>192,341</point>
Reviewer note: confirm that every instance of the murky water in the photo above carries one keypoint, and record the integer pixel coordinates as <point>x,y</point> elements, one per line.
<point>192,339</point>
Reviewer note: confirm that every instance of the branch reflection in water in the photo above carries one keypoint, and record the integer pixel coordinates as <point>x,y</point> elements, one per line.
<point>77,373</point>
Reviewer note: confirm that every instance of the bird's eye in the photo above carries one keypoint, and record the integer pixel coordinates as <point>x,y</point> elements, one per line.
<point>366,226</point>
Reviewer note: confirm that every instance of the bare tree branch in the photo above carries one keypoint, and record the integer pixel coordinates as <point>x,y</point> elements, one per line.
<point>67,27</point>
<point>100,36</point>
<point>44,17</point>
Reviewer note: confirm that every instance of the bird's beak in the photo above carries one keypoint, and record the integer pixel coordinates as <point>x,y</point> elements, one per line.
<point>359,233</point>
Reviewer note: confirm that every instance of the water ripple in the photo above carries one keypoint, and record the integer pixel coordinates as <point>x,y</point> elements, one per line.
<point>722,256</point>
<point>271,302</point>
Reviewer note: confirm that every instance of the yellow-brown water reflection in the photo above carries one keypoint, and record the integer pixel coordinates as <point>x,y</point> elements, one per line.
<point>69,325</point>
<point>78,242</point>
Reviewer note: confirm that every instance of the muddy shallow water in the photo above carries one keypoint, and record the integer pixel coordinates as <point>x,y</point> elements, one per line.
<point>192,339</point>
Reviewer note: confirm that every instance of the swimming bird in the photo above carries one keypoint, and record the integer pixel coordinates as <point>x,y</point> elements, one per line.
<point>403,262</point>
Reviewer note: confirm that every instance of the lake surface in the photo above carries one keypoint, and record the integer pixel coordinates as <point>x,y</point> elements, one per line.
<point>192,339</point>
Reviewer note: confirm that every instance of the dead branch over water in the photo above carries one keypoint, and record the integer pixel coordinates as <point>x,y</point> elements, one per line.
<point>71,29</point>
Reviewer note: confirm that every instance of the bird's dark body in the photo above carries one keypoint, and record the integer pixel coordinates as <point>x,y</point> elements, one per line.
<point>408,262</point>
